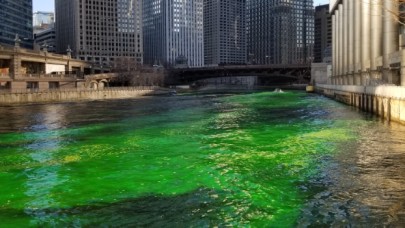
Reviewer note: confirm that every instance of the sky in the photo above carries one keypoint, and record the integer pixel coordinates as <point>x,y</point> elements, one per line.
<point>48,5</point>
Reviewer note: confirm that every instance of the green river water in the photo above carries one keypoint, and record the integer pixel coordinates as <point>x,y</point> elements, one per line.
<point>253,160</point>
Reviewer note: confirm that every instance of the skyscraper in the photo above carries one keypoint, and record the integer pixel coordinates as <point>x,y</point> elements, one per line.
<point>323,33</point>
<point>224,32</point>
<point>279,31</point>
<point>16,19</point>
<point>173,32</point>
<point>100,31</point>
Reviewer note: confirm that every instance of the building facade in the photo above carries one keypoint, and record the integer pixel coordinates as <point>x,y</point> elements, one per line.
<point>46,39</point>
<point>280,32</point>
<point>102,32</point>
<point>24,70</point>
<point>367,43</point>
<point>323,34</point>
<point>224,32</point>
<point>41,18</point>
<point>173,32</point>
<point>16,19</point>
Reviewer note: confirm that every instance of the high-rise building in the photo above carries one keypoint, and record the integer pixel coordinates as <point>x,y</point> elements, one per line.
<point>280,32</point>
<point>224,32</point>
<point>16,19</point>
<point>43,21</point>
<point>102,32</point>
<point>173,32</point>
<point>323,34</point>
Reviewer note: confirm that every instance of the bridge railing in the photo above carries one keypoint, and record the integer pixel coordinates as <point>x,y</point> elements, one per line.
<point>48,76</point>
<point>56,90</point>
<point>6,76</point>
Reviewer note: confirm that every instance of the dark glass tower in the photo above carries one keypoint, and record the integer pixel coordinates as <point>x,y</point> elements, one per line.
<point>280,32</point>
<point>323,33</point>
<point>224,32</point>
<point>16,18</point>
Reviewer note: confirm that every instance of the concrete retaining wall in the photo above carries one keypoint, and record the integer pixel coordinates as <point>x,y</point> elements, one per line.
<point>77,95</point>
<point>387,102</point>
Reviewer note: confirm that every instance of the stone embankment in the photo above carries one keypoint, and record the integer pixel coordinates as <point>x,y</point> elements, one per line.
<point>59,95</point>
<point>385,101</point>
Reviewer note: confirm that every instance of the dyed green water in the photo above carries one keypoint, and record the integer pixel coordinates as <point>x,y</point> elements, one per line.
<point>171,161</point>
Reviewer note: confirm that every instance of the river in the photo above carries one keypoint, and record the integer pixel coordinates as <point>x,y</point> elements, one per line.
<point>260,159</point>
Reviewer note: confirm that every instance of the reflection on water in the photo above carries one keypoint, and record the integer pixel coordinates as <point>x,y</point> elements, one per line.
<point>364,184</point>
<point>261,159</point>
<point>41,181</point>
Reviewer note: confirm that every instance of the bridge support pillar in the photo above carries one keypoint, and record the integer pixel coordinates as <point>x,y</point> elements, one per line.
<point>15,68</point>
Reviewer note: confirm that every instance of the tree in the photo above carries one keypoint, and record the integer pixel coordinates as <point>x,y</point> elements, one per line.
<point>394,8</point>
<point>131,73</point>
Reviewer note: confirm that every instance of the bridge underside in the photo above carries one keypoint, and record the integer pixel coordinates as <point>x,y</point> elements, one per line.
<point>266,76</point>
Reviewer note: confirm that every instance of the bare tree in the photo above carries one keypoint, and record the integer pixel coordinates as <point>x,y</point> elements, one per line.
<point>131,73</point>
<point>394,8</point>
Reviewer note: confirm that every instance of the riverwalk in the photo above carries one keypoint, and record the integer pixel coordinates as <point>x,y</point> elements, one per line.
<point>77,94</point>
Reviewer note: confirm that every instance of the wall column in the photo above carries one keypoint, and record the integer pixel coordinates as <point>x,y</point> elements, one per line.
<point>402,79</point>
<point>357,42</point>
<point>365,40</point>
<point>390,40</point>
<point>345,4</point>
<point>15,68</point>
<point>376,37</point>
<point>350,47</point>
<point>336,34</point>
<point>333,46</point>
<point>341,48</point>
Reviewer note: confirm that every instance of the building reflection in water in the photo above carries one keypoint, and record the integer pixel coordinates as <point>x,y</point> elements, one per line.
<point>44,140</point>
<point>365,183</point>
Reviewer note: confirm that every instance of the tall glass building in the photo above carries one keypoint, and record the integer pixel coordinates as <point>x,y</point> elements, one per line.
<point>16,18</point>
<point>280,31</point>
<point>102,31</point>
<point>173,32</point>
<point>224,32</point>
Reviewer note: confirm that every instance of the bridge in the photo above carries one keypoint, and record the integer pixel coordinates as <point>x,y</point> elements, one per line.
<point>267,74</point>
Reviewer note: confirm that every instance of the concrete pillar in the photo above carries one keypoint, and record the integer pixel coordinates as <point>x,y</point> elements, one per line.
<point>357,41</point>
<point>365,40</point>
<point>15,67</point>
<point>346,51</point>
<point>341,42</point>
<point>43,86</point>
<point>402,80</point>
<point>390,40</point>
<point>376,36</point>
<point>336,34</point>
<point>350,47</point>
<point>68,67</point>
<point>334,46</point>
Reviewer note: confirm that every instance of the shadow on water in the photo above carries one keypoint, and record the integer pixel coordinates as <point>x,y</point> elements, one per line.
<point>197,208</point>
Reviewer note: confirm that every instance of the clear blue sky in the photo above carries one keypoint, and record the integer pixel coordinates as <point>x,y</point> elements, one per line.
<point>44,5</point>
<point>48,5</point>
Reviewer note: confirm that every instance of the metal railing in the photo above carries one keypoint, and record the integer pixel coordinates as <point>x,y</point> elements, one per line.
<point>69,76</point>
<point>5,76</point>
<point>57,90</point>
